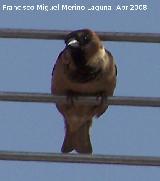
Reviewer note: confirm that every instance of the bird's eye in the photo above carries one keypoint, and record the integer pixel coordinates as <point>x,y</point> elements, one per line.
<point>86,38</point>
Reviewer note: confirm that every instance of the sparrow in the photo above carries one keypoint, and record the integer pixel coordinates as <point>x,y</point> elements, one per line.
<point>83,68</point>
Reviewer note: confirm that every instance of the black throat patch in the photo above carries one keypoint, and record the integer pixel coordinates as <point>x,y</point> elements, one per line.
<point>78,57</point>
<point>83,73</point>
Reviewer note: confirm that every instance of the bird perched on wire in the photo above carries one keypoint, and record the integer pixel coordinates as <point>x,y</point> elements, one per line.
<point>84,67</point>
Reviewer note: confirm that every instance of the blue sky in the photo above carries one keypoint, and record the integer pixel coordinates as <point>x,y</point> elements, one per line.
<point>26,65</point>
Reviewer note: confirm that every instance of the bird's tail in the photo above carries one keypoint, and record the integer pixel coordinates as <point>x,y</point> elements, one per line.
<point>78,140</point>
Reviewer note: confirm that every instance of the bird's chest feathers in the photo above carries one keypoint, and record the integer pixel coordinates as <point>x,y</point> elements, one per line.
<point>85,69</point>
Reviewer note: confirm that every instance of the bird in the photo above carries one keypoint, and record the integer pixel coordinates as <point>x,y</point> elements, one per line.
<point>83,68</point>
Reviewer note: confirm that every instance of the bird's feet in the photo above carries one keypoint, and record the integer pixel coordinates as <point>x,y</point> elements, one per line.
<point>102,106</point>
<point>71,97</point>
<point>102,98</point>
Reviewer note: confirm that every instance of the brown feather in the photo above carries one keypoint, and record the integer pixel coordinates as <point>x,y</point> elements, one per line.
<point>78,140</point>
<point>94,76</point>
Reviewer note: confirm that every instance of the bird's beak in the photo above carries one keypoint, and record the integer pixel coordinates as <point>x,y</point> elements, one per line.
<point>73,43</point>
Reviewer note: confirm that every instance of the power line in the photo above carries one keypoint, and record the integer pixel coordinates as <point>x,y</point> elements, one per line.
<point>60,34</point>
<point>48,98</point>
<point>80,158</point>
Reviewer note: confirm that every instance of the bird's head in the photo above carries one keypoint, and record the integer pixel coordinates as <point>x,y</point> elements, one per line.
<point>85,40</point>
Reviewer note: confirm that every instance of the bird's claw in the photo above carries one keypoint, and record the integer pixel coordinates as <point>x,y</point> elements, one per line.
<point>71,97</point>
<point>102,106</point>
<point>102,99</point>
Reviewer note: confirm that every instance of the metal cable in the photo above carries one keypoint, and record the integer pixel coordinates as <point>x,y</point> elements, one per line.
<point>48,98</point>
<point>80,158</point>
<point>60,34</point>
